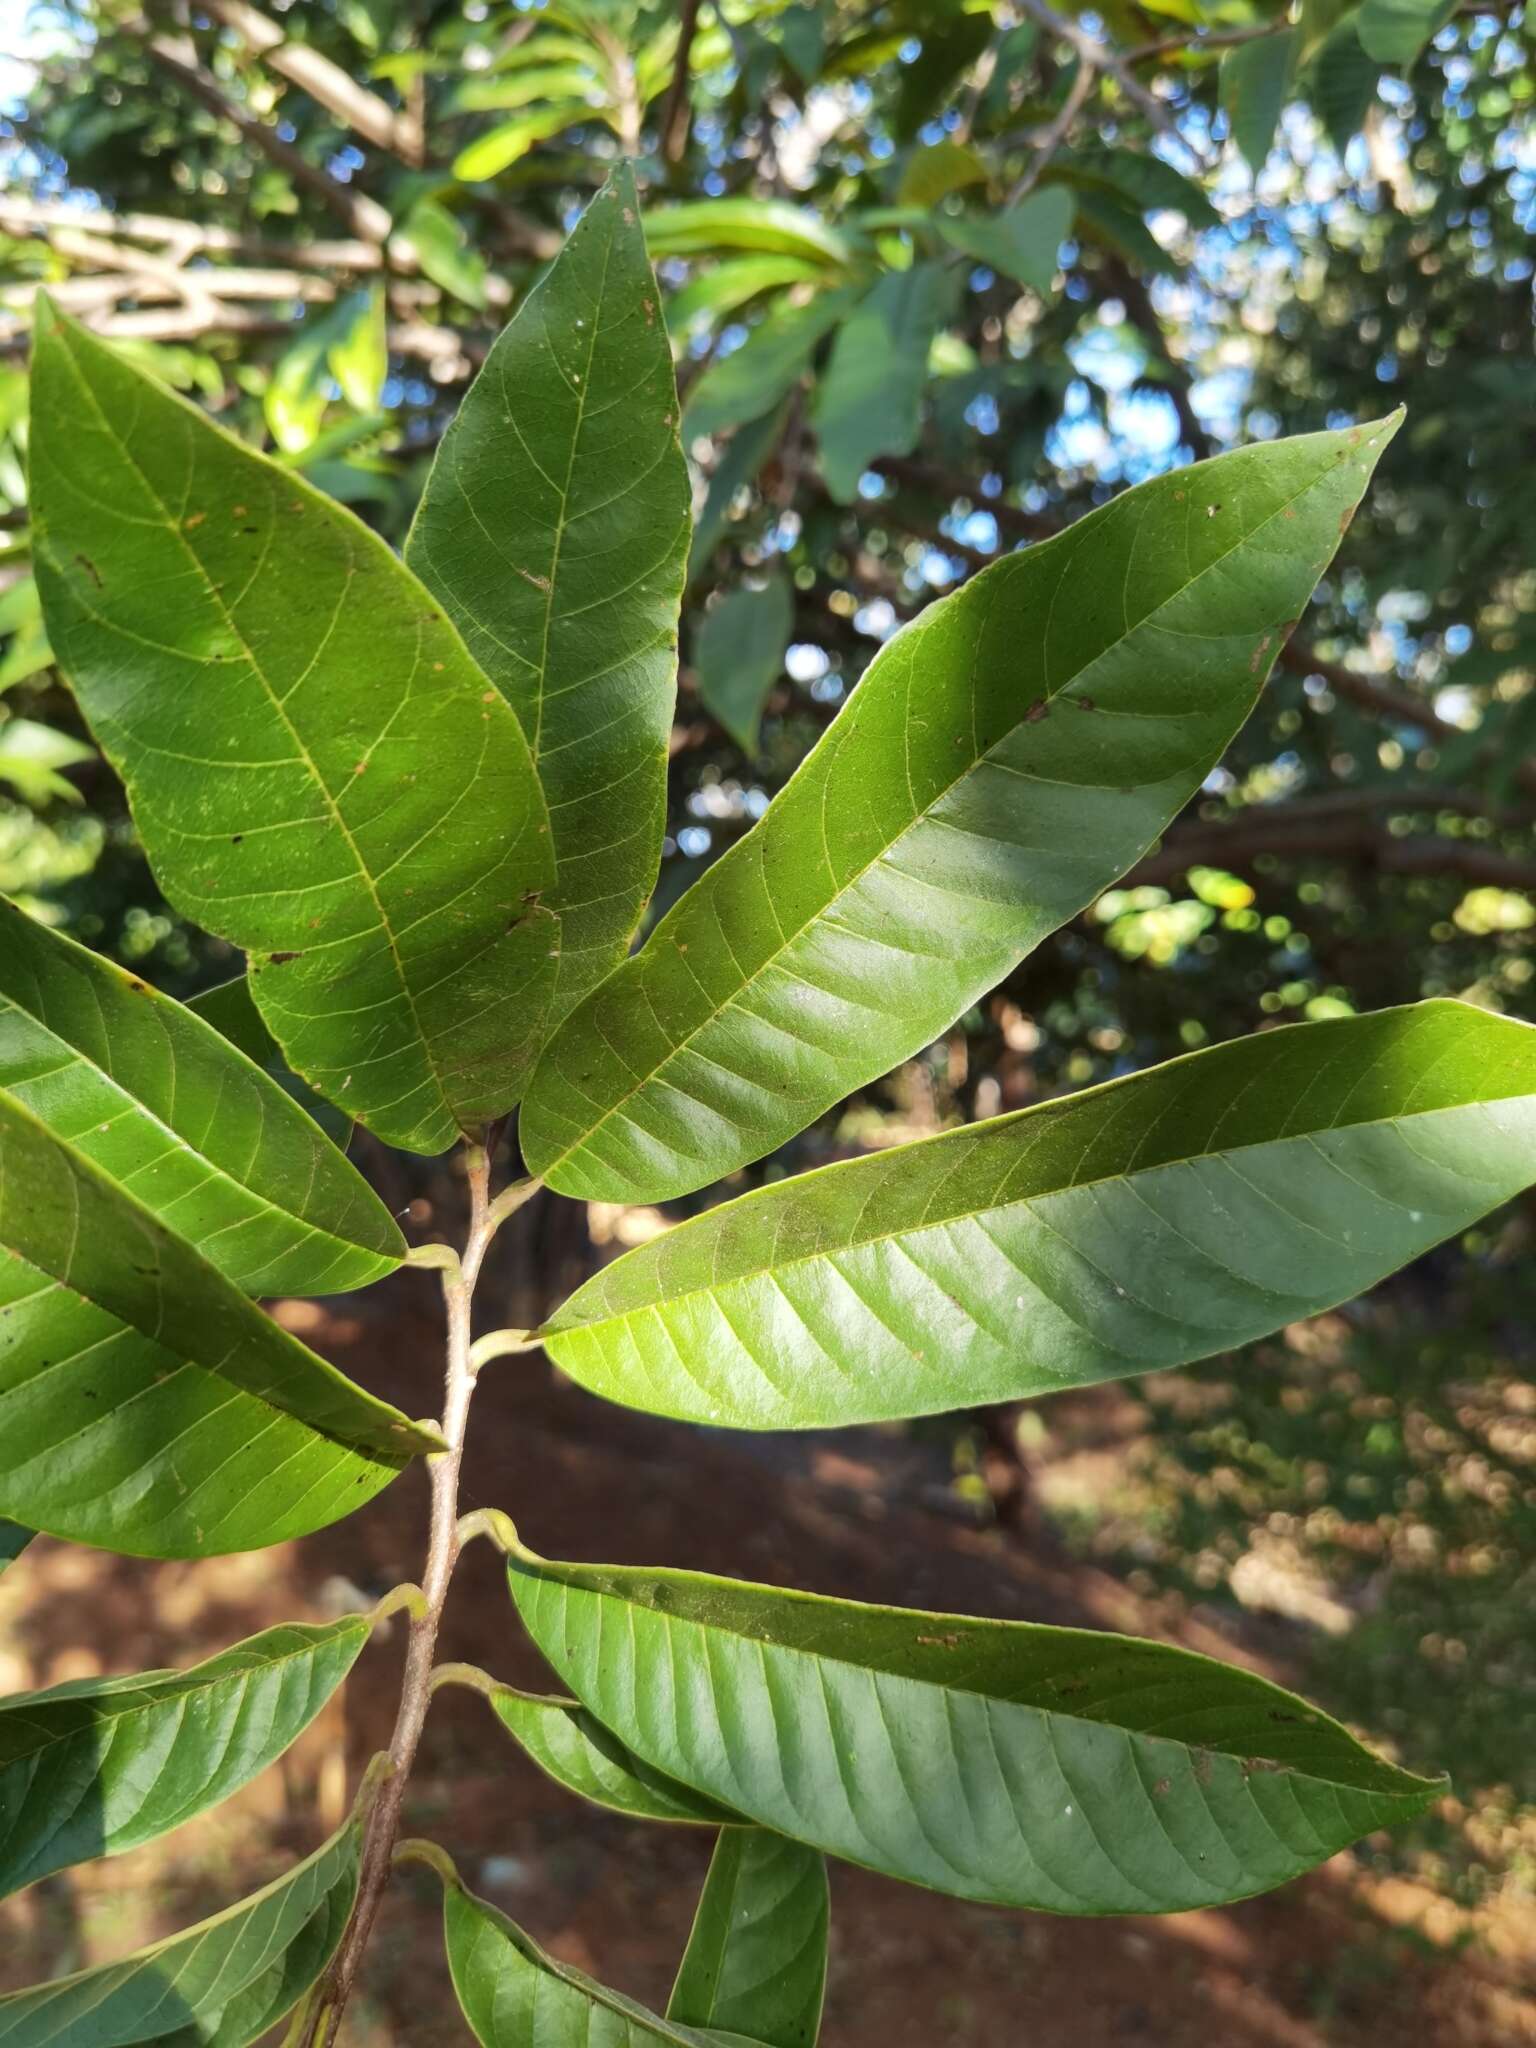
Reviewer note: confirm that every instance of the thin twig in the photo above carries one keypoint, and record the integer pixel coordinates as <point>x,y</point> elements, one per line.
<point>374,119</point>
<point>677,114</point>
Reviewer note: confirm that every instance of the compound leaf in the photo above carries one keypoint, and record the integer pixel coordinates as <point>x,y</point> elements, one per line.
<point>757,1957</point>
<point>163,1105</point>
<point>100,1765</point>
<point>222,1984</point>
<point>1004,759</point>
<point>1146,1223</point>
<point>317,768</point>
<point>1057,1769</point>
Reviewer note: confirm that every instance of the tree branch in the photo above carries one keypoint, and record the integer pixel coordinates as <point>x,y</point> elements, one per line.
<point>326,83</point>
<point>677,113</point>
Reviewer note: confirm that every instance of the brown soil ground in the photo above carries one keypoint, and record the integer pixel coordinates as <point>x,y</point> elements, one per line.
<point>1341,1959</point>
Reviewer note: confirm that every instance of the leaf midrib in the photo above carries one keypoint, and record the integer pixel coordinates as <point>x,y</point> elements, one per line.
<point>790,939</point>
<point>277,704</point>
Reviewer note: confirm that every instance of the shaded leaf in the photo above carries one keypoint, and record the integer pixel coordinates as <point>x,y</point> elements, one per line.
<point>578,1752</point>
<point>1051,1768</point>
<point>222,1984</point>
<point>1074,698</point>
<point>444,252</point>
<point>869,399</point>
<point>222,625</point>
<point>938,169</point>
<point>1023,242</point>
<point>726,286</point>
<point>1397,31</point>
<point>1255,83</point>
<point>1343,83</point>
<point>513,1994</point>
<point>1109,220</point>
<point>99,1765</point>
<point>1146,181</point>
<point>739,654</point>
<point>756,1960</point>
<point>554,531</point>
<point>13,1541</point>
<point>736,467</point>
<point>156,1098</point>
<point>1146,1223</point>
<point>751,380</point>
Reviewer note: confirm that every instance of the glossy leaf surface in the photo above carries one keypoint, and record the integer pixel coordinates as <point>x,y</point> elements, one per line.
<point>756,1961</point>
<point>514,1995</point>
<point>578,1752</point>
<point>1003,760</point>
<point>161,1103</point>
<point>222,1984</point>
<point>1146,1223</point>
<point>554,531</point>
<point>1050,1768</point>
<point>99,1765</point>
<point>310,753</point>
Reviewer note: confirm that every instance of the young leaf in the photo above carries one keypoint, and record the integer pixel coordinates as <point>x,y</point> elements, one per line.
<point>554,532</point>
<point>318,770</point>
<point>1051,1768</point>
<point>100,1765</point>
<point>164,1106</point>
<point>869,401</point>
<point>578,1752</point>
<point>1003,760</point>
<point>222,1984</point>
<point>111,1439</point>
<point>1023,242</point>
<point>1255,84</point>
<point>739,655</point>
<point>13,1541</point>
<point>752,379</point>
<point>61,1212</point>
<point>756,1961</point>
<point>514,1995</point>
<point>1146,1223</point>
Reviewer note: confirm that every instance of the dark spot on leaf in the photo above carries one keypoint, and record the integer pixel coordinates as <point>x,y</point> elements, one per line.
<point>89,567</point>
<point>280,959</point>
<point>1036,712</point>
<point>1086,704</point>
<point>236,838</point>
<point>949,1642</point>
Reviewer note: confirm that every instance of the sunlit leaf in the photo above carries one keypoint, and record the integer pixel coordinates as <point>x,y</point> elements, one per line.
<point>31,756</point>
<point>1073,699</point>
<point>445,253</point>
<point>98,1765</point>
<point>1050,1768</point>
<point>1146,1223</point>
<point>933,172</point>
<point>756,1961</point>
<point>222,1984</point>
<point>309,750</point>
<point>501,147</point>
<point>554,532</point>
<point>154,1096</point>
<point>702,225</point>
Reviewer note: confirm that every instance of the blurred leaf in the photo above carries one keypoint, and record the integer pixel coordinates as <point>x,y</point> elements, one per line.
<point>222,1984</point>
<point>1255,85</point>
<point>31,756</point>
<point>443,249</point>
<point>757,1956</point>
<point>98,1765</point>
<point>1149,184</point>
<point>938,169</point>
<point>1023,242</point>
<point>869,400</point>
<point>491,92</point>
<point>13,1541</point>
<point>1061,1770</point>
<point>1343,84</point>
<point>725,286</point>
<point>501,147</point>
<point>751,380</point>
<point>701,226</point>
<point>739,654</point>
<point>1111,222</point>
<point>358,353</point>
<point>1397,31</point>
<point>736,467</point>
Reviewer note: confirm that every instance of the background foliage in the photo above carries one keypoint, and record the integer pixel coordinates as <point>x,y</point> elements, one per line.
<point>939,278</point>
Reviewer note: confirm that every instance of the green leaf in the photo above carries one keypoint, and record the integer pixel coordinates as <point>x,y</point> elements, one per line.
<point>1318,20</point>
<point>725,286</point>
<point>31,756</point>
<point>935,171</point>
<point>144,1401</point>
<point>443,250</point>
<point>1023,242</point>
<point>736,468</point>
<point>1073,698</point>
<point>1050,1768</point>
<point>700,226</point>
<point>502,146</point>
<point>756,1960</point>
<point>1343,83</point>
<point>495,92</point>
<point>1146,1223</point>
<point>578,1752</point>
<point>514,1995</point>
<point>1146,181</point>
<point>231,1009</point>
<point>752,379</point>
<point>1255,84</point>
<point>554,532</point>
<point>222,1984</point>
<point>1398,31</point>
<point>739,654</point>
<point>99,1765</point>
<point>1106,218</point>
<point>358,356</point>
<point>869,400</point>
<point>13,1541</point>
<point>162,1104</point>
<point>320,806</point>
